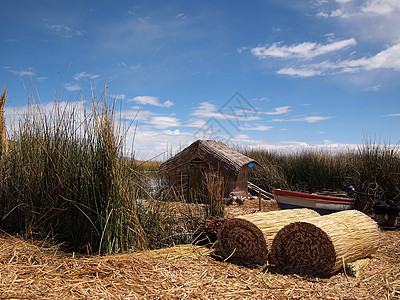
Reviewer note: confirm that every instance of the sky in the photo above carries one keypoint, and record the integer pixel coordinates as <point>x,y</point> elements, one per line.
<point>266,74</point>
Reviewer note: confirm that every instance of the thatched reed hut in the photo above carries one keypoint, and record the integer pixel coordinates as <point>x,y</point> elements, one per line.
<point>190,170</point>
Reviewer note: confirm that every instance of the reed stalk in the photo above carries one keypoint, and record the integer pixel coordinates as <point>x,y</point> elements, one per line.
<point>66,176</point>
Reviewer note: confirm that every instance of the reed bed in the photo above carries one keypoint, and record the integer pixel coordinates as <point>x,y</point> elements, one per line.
<point>42,271</point>
<point>323,245</point>
<point>373,169</point>
<point>3,134</point>
<point>67,177</point>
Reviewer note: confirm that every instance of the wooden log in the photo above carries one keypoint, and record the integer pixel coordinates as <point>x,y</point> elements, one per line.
<point>323,245</point>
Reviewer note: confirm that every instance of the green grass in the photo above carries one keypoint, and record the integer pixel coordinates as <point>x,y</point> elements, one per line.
<point>373,169</point>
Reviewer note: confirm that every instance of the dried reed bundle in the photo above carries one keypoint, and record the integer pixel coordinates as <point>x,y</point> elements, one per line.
<point>241,242</point>
<point>271,222</point>
<point>322,245</point>
<point>354,268</point>
<point>207,232</point>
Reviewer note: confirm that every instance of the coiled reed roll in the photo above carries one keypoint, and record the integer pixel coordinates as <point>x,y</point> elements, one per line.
<point>322,245</point>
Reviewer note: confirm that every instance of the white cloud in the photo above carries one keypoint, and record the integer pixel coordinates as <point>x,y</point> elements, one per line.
<point>381,7</point>
<point>279,110</point>
<point>241,49</point>
<point>21,72</point>
<point>168,103</point>
<point>208,110</point>
<point>64,31</point>
<point>42,78</point>
<point>386,59</point>
<point>181,16</point>
<point>314,119</point>
<point>196,123</point>
<point>119,97</point>
<point>322,14</point>
<point>72,87</point>
<point>302,50</point>
<point>59,28</point>
<point>374,88</point>
<point>256,127</point>
<point>150,100</point>
<point>135,113</point>
<point>295,146</point>
<point>337,13</point>
<point>376,21</point>
<point>84,75</point>
<point>392,115</point>
<point>311,119</point>
<point>130,67</point>
<point>163,122</point>
<point>299,72</point>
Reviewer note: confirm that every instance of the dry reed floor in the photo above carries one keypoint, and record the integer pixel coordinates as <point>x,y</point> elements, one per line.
<point>250,206</point>
<point>29,271</point>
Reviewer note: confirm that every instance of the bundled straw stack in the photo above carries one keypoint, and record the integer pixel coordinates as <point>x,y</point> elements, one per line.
<point>271,222</point>
<point>323,245</point>
<point>246,239</point>
<point>241,242</point>
<point>207,232</point>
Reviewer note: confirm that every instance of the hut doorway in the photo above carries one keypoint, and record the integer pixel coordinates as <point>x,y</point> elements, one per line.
<point>197,188</point>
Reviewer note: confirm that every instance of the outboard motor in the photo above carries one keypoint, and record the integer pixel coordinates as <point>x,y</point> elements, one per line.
<point>386,213</point>
<point>350,190</point>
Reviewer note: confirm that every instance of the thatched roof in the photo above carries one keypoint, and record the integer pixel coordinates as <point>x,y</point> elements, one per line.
<point>217,154</point>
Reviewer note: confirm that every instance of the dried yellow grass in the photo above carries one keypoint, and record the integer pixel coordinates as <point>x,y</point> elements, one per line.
<point>354,268</point>
<point>39,271</point>
<point>323,245</point>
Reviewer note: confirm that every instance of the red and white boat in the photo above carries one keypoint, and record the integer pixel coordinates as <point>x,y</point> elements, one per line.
<point>322,204</point>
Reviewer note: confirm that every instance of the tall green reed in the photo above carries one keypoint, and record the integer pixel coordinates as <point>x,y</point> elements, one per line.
<point>66,176</point>
<point>302,170</point>
<point>373,169</point>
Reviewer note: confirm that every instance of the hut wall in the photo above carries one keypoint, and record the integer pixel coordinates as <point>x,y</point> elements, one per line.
<point>179,177</point>
<point>189,180</point>
<point>197,189</point>
<point>238,186</point>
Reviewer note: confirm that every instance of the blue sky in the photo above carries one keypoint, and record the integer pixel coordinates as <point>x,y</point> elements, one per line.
<point>274,74</point>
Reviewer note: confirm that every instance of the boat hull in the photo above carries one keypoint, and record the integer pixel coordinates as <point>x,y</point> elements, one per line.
<point>322,204</point>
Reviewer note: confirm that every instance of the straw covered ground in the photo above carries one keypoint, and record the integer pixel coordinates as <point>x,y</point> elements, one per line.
<point>37,271</point>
